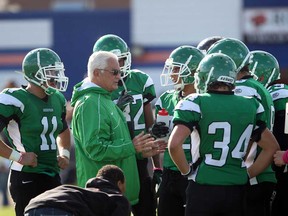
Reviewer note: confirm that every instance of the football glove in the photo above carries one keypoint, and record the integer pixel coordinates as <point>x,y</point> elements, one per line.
<point>193,167</point>
<point>159,130</point>
<point>124,100</point>
<point>156,180</point>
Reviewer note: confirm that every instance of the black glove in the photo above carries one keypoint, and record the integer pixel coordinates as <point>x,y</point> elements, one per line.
<point>124,100</point>
<point>193,167</point>
<point>159,130</point>
<point>156,181</point>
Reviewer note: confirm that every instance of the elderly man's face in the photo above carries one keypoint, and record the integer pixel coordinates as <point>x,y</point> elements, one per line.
<point>110,76</point>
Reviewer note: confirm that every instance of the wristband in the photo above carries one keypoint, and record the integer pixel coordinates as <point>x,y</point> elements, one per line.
<point>15,156</point>
<point>157,168</point>
<point>21,158</point>
<point>65,153</point>
<point>285,157</point>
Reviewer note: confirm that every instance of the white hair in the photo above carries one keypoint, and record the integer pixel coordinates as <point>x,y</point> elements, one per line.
<point>99,60</point>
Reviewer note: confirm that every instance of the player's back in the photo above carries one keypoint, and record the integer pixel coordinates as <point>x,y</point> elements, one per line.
<point>225,123</point>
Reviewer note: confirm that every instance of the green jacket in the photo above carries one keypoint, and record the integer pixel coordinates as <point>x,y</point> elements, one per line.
<point>102,137</point>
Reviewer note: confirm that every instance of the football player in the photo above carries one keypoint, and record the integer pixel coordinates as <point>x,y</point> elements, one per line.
<point>261,187</point>
<point>217,174</point>
<point>178,72</point>
<point>34,121</point>
<point>266,68</point>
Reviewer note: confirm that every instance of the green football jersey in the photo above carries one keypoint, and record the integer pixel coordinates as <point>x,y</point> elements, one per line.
<point>141,87</point>
<point>252,88</point>
<point>279,94</point>
<point>224,123</point>
<point>169,100</point>
<point>33,126</point>
<point>248,86</point>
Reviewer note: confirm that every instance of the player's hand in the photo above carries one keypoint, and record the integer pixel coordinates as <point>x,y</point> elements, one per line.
<point>143,142</point>
<point>278,158</point>
<point>159,130</point>
<point>28,159</point>
<point>63,162</point>
<point>124,100</point>
<point>157,147</point>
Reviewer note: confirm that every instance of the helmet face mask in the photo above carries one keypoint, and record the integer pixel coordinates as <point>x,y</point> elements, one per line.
<point>54,76</point>
<point>180,66</point>
<point>115,44</point>
<point>215,67</point>
<point>126,66</point>
<point>43,67</point>
<point>173,74</point>
<point>264,67</point>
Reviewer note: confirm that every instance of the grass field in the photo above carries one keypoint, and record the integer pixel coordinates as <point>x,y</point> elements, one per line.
<point>7,211</point>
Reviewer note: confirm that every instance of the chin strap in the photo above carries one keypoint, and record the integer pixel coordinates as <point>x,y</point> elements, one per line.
<point>48,90</point>
<point>179,86</point>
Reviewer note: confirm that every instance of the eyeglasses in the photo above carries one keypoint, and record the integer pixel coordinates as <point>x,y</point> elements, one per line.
<point>114,72</point>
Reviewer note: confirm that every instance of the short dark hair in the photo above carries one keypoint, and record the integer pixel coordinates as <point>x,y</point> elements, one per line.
<point>215,85</point>
<point>111,173</point>
<point>245,69</point>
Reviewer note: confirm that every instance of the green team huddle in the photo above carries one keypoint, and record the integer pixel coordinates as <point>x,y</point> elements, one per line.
<point>226,152</point>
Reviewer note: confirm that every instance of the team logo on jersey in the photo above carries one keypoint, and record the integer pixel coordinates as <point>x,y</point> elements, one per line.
<point>238,91</point>
<point>48,110</point>
<point>275,95</point>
